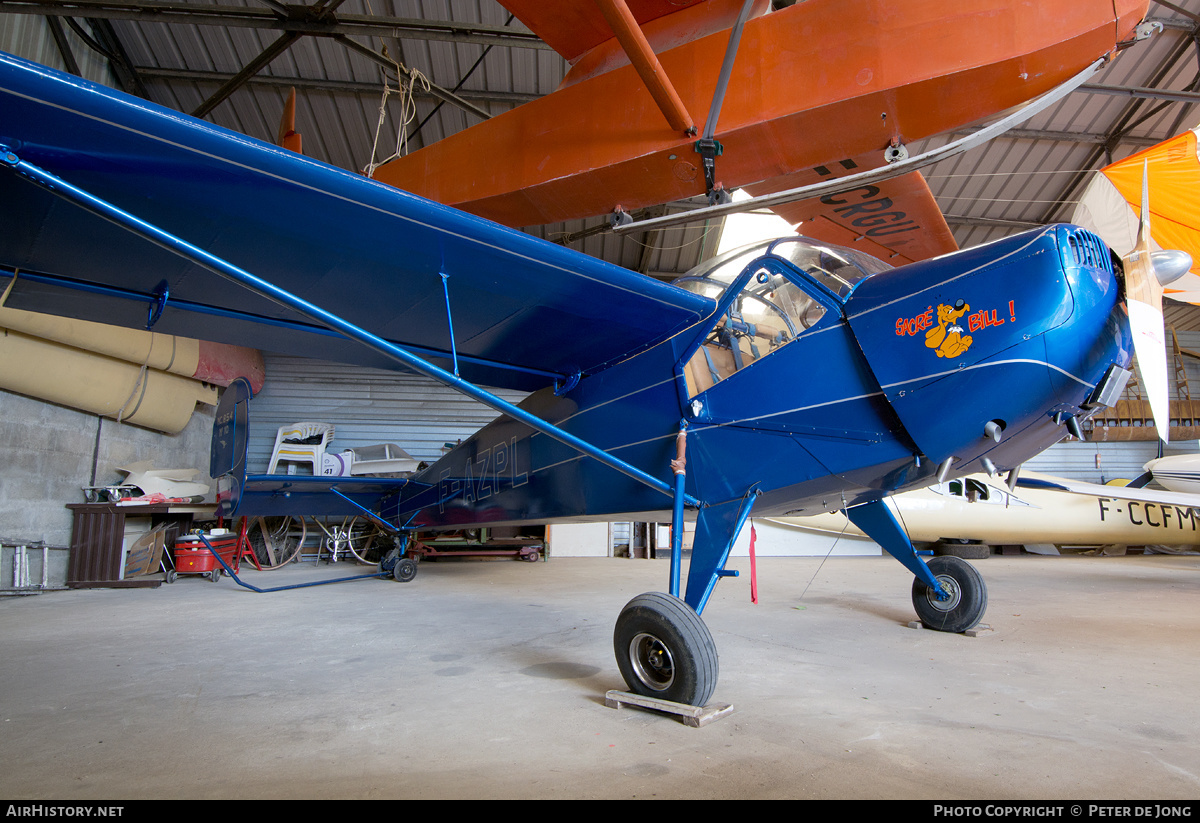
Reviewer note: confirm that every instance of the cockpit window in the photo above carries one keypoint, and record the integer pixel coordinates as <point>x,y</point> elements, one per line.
<point>837,268</point>
<point>771,310</point>
<point>971,489</point>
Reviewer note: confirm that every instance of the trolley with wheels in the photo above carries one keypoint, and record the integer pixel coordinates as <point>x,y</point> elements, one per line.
<point>193,557</point>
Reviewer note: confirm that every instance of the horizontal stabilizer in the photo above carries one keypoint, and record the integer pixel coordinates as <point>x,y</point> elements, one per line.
<point>278,495</point>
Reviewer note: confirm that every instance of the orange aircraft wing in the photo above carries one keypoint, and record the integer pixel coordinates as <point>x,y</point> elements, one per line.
<point>896,220</point>
<point>806,89</point>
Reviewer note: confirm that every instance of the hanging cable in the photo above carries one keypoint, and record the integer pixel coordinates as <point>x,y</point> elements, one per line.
<point>408,110</point>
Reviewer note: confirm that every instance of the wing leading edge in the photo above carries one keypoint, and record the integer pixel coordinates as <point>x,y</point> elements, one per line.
<point>1030,480</point>
<point>523,311</point>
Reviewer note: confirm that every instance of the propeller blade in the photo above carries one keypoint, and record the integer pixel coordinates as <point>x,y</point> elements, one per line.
<point>1144,296</point>
<point>287,137</point>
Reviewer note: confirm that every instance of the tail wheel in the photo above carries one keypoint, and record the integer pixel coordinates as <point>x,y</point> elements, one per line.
<point>664,650</point>
<point>966,599</point>
<point>276,540</point>
<point>404,570</point>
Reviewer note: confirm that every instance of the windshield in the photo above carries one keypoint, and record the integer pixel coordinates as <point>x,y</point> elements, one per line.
<point>837,268</point>
<point>771,310</point>
<point>774,299</point>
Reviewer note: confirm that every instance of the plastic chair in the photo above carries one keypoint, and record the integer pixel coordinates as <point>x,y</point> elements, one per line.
<point>291,446</point>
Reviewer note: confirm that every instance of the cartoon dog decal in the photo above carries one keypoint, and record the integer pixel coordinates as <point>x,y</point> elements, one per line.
<point>946,338</point>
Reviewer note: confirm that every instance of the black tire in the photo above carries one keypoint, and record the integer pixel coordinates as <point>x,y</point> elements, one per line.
<point>968,596</point>
<point>404,570</point>
<point>664,650</point>
<point>966,549</point>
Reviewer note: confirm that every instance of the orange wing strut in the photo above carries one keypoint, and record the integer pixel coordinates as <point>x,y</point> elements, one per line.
<point>287,136</point>
<point>621,20</point>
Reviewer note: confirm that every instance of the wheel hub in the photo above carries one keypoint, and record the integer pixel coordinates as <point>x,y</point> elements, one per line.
<point>950,595</point>
<point>652,662</point>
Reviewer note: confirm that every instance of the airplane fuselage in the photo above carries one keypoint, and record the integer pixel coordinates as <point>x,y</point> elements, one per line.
<point>867,400</point>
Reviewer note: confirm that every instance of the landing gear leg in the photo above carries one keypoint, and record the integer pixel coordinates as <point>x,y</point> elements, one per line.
<point>663,647</point>
<point>948,593</point>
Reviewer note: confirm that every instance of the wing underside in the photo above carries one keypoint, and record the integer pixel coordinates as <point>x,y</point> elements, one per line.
<point>522,311</point>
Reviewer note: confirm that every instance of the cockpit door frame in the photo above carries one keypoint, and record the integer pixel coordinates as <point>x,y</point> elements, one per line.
<point>694,409</point>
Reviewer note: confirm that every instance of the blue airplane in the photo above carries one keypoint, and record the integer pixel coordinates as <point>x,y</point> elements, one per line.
<point>787,378</point>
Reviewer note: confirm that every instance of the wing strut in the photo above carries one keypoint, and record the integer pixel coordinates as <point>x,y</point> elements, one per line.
<point>625,26</point>
<point>708,146</point>
<point>165,240</point>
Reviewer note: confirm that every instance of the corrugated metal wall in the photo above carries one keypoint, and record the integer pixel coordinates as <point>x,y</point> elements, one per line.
<point>28,36</point>
<point>1095,462</point>
<point>366,407</point>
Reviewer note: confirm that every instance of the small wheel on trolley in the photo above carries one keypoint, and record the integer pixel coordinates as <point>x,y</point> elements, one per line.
<point>404,570</point>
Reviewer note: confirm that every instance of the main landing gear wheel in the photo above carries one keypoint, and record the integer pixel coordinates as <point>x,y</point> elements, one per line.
<point>664,650</point>
<point>967,601</point>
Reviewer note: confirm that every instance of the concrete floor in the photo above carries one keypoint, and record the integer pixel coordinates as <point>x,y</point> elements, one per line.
<point>487,680</point>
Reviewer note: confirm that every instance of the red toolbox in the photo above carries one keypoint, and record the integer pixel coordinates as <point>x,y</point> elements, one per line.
<point>193,557</point>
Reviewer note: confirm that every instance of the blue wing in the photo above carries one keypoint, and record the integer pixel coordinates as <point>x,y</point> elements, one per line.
<point>524,311</point>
